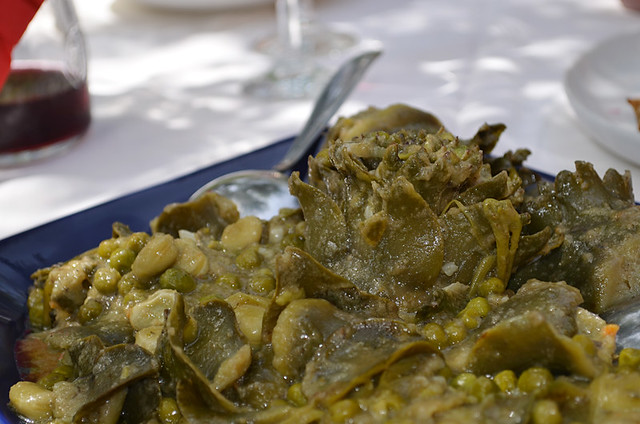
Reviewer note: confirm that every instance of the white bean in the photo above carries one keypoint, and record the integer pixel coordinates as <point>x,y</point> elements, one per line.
<point>157,255</point>
<point>150,312</point>
<point>190,258</point>
<point>242,233</point>
<point>31,400</point>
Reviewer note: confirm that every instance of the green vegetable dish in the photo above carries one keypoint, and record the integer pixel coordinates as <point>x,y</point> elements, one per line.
<point>421,281</point>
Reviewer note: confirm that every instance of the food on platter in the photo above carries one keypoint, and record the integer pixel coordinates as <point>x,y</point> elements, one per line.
<point>421,280</point>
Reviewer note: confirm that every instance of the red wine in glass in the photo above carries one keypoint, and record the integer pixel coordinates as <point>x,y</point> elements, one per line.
<point>40,109</point>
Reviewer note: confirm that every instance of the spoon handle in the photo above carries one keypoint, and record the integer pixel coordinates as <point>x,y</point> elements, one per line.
<point>329,101</point>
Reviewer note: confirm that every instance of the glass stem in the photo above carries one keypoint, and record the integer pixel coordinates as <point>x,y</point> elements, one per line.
<point>289,18</point>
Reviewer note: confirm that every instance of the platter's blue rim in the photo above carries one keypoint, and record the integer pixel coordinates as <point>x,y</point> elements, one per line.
<point>57,241</point>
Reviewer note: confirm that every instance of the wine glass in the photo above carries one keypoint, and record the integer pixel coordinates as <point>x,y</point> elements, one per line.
<point>296,49</point>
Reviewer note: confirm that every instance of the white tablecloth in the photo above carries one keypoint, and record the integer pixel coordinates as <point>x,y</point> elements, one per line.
<point>167,99</point>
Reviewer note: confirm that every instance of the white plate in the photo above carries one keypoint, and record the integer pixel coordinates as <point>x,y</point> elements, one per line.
<point>195,5</point>
<point>598,86</point>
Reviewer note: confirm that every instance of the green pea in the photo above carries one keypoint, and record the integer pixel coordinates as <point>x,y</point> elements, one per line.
<point>215,245</point>
<point>168,411</point>
<point>134,296</point>
<point>262,284</point>
<point>107,247</point>
<point>483,387</point>
<point>343,410</point>
<point>177,279</point>
<point>208,298</point>
<point>249,257</point>
<point>506,381</point>
<point>471,315</point>
<point>629,358</point>
<point>478,306</point>
<point>136,241</point>
<point>105,280</point>
<point>464,381</point>
<point>435,334</point>
<point>470,321</point>
<point>535,380</point>
<point>126,284</point>
<point>446,373</point>
<point>456,331</point>
<point>492,285</point>
<point>121,259</point>
<point>89,310</point>
<point>295,240</point>
<point>295,395</point>
<point>546,411</point>
<point>228,280</point>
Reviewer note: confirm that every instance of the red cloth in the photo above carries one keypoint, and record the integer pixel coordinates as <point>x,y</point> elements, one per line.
<point>15,15</point>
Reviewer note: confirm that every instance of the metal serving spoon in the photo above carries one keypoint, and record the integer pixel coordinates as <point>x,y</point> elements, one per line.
<point>627,317</point>
<point>263,192</point>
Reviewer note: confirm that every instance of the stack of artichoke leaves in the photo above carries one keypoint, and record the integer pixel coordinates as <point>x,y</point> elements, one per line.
<point>431,281</point>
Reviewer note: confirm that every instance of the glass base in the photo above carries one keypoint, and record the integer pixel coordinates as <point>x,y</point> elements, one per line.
<point>24,157</point>
<point>300,84</point>
<point>316,41</point>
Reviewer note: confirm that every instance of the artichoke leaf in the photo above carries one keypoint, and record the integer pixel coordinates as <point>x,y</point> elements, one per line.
<point>339,365</point>
<point>487,137</point>
<point>275,413</point>
<point>599,259</point>
<point>194,409</point>
<point>389,119</point>
<point>326,237</point>
<point>84,354</point>
<point>600,235</point>
<point>115,369</point>
<point>532,328</point>
<point>583,189</point>
<point>295,269</point>
<point>219,337</point>
<point>469,244</point>
<point>112,329</point>
<point>501,186</point>
<point>404,262</point>
<point>506,225</point>
<point>176,366</point>
<point>441,169</point>
<point>142,401</point>
<point>261,383</point>
<point>411,251</point>
<point>211,211</point>
<point>303,326</point>
<point>535,245</point>
<point>107,411</point>
<point>512,345</point>
<point>485,239</point>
